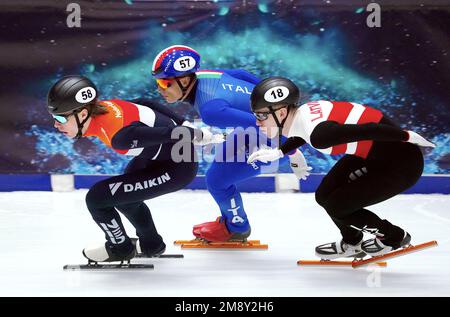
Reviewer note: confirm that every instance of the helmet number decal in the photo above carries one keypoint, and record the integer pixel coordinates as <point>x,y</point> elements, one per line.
<point>85,95</point>
<point>184,63</point>
<point>276,94</point>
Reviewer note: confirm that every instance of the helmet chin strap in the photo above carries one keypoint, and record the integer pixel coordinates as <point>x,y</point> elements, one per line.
<point>280,125</point>
<point>80,124</point>
<point>183,89</point>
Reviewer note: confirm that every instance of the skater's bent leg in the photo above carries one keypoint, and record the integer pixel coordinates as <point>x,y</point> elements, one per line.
<point>128,191</point>
<point>221,179</point>
<point>346,203</point>
<point>349,234</point>
<point>108,219</point>
<point>141,218</point>
<point>337,177</point>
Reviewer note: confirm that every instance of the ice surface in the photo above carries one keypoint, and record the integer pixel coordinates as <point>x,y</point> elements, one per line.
<point>42,231</point>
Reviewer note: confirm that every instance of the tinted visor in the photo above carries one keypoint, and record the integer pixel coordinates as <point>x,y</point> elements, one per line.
<point>164,83</point>
<point>61,118</point>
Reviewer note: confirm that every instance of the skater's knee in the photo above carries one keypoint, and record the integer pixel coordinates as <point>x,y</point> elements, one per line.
<point>213,180</point>
<point>129,208</point>
<point>321,198</point>
<point>412,176</point>
<point>94,199</point>
<point>90,199</point>
<point>334,208</point>
<point>337,210</point>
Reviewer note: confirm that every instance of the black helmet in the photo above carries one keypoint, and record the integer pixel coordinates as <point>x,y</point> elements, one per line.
<point>70,93</point>
<point>274,91</point>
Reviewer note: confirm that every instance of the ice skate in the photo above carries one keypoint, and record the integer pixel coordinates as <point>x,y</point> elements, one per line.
<point>215,235</point>
<point>108,252</point>
<point>404,249</point>
<point>149,252</point>
<point>335,250</point>
<point>375,246</point>
<point>217,231</point>
<point>197,228</point>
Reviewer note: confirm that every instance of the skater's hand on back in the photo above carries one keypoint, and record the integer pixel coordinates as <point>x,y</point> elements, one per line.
<point>265,155</point>
<point>419,140</point>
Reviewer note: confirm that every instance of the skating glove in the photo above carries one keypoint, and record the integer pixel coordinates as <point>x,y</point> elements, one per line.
<point>265,155</point>
<point>204,136</point>
<point>189,125</point>
<point>207,137</point>
<point>299,165</point>
<point>417,139</point>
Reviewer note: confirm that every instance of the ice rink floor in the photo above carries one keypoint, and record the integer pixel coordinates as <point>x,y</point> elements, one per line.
<point>42,231</point>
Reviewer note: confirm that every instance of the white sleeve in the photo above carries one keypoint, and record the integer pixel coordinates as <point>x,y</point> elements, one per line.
<point>146,115</point>
<point>307,117</point>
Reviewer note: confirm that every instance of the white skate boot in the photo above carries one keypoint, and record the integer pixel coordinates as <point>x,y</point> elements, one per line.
<point>375,246</point>
<point>106,252</point>
<point>334,250</point>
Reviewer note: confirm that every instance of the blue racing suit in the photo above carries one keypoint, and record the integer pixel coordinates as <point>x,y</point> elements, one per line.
<point>222,98</point>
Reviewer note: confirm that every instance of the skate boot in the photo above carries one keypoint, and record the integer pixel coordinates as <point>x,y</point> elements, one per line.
<point>197,228</point>
<point>109,252</point>
<point>334,250</point>
<point>375,246</point>
<point>217,231</point>
<point>152,251</point>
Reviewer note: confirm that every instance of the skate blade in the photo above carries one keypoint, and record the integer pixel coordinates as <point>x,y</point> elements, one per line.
<point>396,253</point>
<point>235,245</point>
<point>161,256</point>
<point>332,263</point>
<point>198,240</point>
<point>96,267</point>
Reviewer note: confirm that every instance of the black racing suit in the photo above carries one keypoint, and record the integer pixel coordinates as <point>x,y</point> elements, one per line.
<point>150,174</point>
<point>391,167</point>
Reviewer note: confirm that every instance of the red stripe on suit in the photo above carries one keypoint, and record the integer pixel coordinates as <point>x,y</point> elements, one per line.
<point>369,115</point>
<point>339,113</point>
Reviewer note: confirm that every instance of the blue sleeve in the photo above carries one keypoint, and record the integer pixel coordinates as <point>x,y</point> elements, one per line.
<point>219,113</point>
<point>242,75</point>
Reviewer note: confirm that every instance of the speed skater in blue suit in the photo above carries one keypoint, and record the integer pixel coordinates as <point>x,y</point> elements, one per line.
<point>222,98</point>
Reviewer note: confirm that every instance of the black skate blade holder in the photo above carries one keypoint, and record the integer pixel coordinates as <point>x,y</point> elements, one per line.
<point>121,263</point>
<point>92,265</point>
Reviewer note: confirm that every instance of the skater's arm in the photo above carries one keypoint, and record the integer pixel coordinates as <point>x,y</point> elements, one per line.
<point>219,113</point>
<point>330,133</point>
<point>138,134</point>
<point>291,144</point>
<point>165,110</point>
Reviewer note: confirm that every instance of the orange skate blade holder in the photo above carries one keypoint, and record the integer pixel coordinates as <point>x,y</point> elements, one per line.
<point>396,253</point>
<point>202,244</point>
<point>332,263</point>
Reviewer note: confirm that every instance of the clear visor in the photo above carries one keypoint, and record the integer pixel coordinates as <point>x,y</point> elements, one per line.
<point>261,116</point>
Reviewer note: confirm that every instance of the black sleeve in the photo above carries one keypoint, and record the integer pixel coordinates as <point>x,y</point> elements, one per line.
<point>291,144</point>
<point>330,133</point>
<point>165,110</point>
<point>137,135</point>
